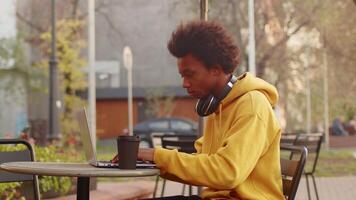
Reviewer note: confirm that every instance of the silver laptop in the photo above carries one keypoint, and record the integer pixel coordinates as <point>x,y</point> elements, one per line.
<point>90,152</point>
<point>89,149</point>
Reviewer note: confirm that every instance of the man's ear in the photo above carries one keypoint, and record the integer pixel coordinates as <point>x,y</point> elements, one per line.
<point>216,70</point>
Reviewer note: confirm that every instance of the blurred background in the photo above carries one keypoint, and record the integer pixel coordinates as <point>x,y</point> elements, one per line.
<point>296,42</point>
<point>305,48</point>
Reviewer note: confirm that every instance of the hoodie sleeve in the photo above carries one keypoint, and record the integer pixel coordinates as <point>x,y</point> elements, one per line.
<point>198,144</point>
<point>229,166</point>
<point>198,147</point>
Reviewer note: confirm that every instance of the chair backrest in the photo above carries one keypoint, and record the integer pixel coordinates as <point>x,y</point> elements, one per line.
<point>288,138</point>
<point>183,143</point>
<point>26,154</point>
<point>312,142</point>
<point>292,170</point>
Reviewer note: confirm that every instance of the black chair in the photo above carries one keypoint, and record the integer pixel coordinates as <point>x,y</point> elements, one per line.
<point>183,143</point>
<point>23,155</point>
<point>313,143</point>
<point>292,170</point>
<point>288,138</point>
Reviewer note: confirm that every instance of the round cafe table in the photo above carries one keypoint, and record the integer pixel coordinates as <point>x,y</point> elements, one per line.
<point>82,171</point>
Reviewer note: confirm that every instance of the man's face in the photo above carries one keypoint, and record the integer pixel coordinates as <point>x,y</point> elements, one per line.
<point>197,79</point>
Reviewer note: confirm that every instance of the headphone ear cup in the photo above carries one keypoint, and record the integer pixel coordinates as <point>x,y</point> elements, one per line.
<point>199,106</point>
<point>206,106</point>
<point>213,105</point>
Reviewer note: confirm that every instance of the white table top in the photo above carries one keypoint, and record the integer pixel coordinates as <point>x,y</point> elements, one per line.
<point>73,169</point>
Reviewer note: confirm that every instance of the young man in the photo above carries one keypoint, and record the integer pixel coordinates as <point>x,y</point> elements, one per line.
<point>238,155</point>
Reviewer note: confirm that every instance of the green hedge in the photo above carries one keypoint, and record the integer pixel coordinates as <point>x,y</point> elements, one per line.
<point>49,153</point>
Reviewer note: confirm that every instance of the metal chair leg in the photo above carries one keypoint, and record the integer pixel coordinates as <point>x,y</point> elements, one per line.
<point>163,187</point>
<point>306,179</point>
<point>183,190</point>
<point>315,188</point>
<point>36,188</point>
<point>156,187</point>
<point>199,190</point>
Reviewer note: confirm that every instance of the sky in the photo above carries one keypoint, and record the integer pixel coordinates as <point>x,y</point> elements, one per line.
<point>7,19</point>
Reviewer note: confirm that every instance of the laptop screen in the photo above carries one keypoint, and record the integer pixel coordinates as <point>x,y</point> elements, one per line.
<point>88,146</point>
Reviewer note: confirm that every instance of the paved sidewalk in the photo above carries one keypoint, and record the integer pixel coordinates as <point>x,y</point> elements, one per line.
<point>118,191</point>
<point>341,188</point>
<point>330,188</point>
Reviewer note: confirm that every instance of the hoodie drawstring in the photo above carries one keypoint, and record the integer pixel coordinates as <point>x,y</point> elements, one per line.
<point>221,137</point>
<point>220,110</point>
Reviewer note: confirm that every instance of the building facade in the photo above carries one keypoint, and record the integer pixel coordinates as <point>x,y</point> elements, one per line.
<point>112,108</point>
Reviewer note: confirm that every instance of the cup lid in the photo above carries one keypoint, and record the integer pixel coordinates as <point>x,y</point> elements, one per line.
<point>129,137</point>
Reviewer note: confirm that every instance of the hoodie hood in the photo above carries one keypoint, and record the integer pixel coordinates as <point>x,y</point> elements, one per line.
<point>246,83</point>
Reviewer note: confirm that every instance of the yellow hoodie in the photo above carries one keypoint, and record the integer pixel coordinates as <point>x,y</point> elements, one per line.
<point>238,155</point>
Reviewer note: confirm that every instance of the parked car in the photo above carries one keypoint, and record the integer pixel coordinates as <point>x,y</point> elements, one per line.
<point>163,126</point>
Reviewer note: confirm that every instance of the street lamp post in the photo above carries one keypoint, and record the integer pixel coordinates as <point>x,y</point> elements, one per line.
<point>251,37</point>
<point>127,58</point>
<point>91,74</point>
<point>54,102</point>
<point>326,99</point>
<point>204,9</point>
<point>308,91</point>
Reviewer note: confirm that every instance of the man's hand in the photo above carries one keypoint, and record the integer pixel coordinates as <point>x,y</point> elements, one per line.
<point>115,159</point>
<point>143,154</point>
<point>146,154</point>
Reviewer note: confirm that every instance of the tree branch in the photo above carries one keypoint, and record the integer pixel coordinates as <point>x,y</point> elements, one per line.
<point>29,23</point>
<point>112,25</point>
<point>98,8</point>
<point>75,8</point>
<point>270,51</point>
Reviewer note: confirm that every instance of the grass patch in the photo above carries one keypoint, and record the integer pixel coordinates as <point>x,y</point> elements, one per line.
<point>331,163</point>
<point>105,156</point>
<point>336,163</point>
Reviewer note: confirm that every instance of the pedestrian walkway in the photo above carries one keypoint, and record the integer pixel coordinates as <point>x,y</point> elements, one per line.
<point>330,188</point>
<point>118,191</point>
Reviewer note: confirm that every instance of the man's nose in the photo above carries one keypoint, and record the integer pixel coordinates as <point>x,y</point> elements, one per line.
<point>186,83</point>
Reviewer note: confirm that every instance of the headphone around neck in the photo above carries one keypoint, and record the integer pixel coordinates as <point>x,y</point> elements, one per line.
<point>206,106</point>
